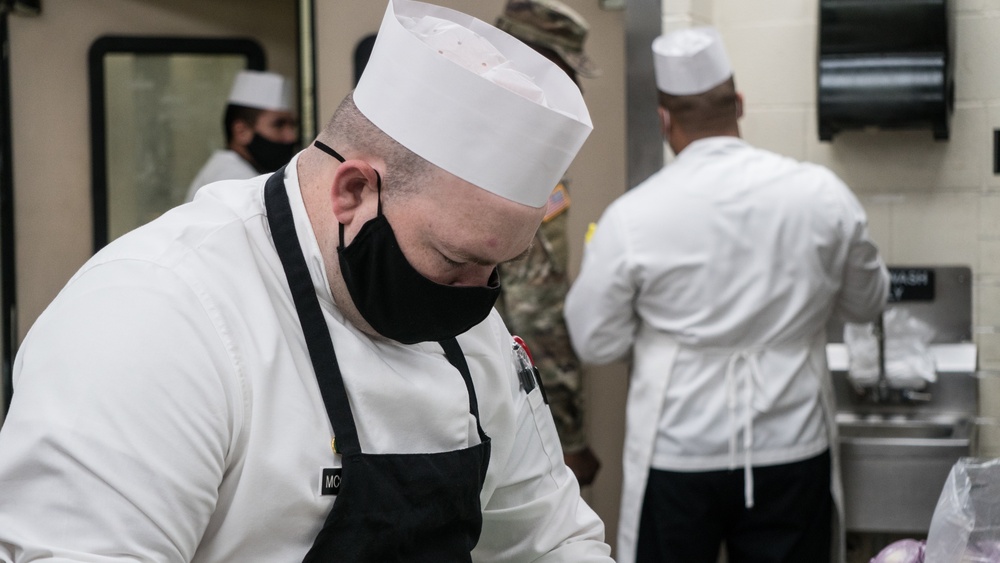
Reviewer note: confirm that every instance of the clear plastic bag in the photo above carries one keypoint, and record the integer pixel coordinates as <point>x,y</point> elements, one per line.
<point>909,363</point>
<point>965,527</point>
<point>862,348</point>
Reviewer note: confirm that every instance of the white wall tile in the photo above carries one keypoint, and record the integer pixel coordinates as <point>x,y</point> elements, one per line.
<point>988,303</point>
<point>765,11</point>
<point>773,64</point>
<point>675,22</point>
<point>968,154</point>
<point>778,130</point>
<point>686,14</point>
<point>976,5</point>
<point>988,345</point>
<point>989,392</point>
<point>673,8</point>
<point>977,44</point>
<point>988,442</point>
<point>936,229</point>
<point>989,215</point>
<point>703,11</point>
<point>989,257</point>
<point>879,212</point>
<point>881,161</point>
<point>908,161</point>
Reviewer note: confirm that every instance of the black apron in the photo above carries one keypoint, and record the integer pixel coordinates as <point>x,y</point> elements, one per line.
<point>390,507</point>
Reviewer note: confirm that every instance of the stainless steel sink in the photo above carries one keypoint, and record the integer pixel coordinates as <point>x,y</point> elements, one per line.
<point>898,445</point>
<point>895,464</point>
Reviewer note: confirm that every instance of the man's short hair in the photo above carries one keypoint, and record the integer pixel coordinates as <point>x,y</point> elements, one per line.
<point>706,113</point>
<point>349,129</point>
<point>236,113</point>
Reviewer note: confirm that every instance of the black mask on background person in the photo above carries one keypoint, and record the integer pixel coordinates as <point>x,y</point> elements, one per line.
<point>268,155</point>
<point>394,298</point>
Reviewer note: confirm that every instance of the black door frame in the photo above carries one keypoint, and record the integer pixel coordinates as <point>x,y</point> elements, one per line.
<point>8,285</point>
<point>141,44</point>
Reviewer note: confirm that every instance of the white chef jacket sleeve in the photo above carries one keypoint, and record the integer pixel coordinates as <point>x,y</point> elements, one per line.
<point>865,286</point>
<point>533,511</point>
<point>124,406</point>
<point>600,312</point>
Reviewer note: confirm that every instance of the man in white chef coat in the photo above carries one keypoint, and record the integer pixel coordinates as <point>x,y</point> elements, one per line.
<point>307,366</point>
<point>718,274</point>
<point>261,130</point>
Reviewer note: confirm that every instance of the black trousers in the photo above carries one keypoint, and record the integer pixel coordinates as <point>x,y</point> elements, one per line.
<point>686,516</point>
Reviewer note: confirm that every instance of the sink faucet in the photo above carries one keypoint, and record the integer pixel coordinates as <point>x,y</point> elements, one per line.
<point>880,392</point>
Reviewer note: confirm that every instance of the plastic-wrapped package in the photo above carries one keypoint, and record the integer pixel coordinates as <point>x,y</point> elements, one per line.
<point>965,527</point>
<point>909,363</point>
<point>862,348</point>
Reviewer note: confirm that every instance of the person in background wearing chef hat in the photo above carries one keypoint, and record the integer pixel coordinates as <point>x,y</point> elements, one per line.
<point>718,274</point>
<point>307,365</point>
<point>531,302</point>
<point>261,130</point>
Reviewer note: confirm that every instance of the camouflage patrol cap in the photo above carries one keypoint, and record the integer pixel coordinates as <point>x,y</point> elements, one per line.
<point>551,24</point>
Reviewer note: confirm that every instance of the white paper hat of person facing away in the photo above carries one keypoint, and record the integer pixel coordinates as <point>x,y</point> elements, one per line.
<point>473,100</point>
<point>261,90</point>
<point>690,61</point>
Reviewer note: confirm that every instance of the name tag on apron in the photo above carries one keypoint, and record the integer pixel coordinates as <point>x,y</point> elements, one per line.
<point>330,481</point>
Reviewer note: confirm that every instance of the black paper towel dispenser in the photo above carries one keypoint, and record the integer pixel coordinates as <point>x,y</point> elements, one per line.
<point>884,64</point>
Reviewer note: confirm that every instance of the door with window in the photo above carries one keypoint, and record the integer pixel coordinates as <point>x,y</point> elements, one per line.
<point>152,125</point>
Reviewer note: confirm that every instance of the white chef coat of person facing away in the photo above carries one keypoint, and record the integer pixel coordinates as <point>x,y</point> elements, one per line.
<point>261,130</point>
<point>718,275</point>
<point>307,366</point>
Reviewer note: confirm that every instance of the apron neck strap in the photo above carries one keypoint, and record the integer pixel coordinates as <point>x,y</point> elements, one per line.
<point>456,357</point>
<point>317,335</point>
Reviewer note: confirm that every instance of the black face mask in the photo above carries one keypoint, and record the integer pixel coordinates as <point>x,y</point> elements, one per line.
<point>396,300</point>
<point>269,156</point>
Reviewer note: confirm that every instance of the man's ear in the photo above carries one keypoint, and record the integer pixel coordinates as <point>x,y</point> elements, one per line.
<point>242,132</point>
<point>664,122</point>
<point>739,105</point>
<point>353,189</point>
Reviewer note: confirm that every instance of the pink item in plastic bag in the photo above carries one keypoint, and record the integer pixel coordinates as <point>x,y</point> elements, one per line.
<point>902,551</point>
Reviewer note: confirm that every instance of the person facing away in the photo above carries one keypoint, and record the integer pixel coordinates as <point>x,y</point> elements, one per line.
<point>307,366</point>
<point>531,301</point>
<point>261,130</point>
<point>718,274</point>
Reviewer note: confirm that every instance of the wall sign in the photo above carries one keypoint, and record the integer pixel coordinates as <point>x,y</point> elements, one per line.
<point>911,284</point>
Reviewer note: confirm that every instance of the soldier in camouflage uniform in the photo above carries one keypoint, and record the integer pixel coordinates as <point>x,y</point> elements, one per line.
<point>534,288</point>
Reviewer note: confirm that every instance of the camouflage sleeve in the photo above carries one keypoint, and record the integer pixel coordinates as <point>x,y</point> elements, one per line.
<point>531,303</point>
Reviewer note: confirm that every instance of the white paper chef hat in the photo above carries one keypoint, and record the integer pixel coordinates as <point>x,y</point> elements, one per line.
<point>473,100</point>
<point>261,90</point>
<point>690,61</point>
